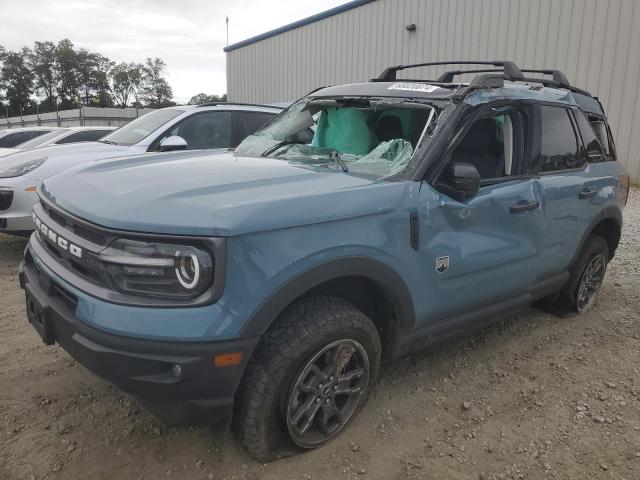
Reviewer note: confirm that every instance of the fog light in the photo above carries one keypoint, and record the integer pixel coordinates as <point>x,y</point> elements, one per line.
<point>176,370</point>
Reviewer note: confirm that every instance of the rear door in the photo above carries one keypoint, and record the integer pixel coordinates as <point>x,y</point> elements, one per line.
<point>561,164</point>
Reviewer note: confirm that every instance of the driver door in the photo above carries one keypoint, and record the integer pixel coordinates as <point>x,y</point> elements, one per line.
<point>485,249</point>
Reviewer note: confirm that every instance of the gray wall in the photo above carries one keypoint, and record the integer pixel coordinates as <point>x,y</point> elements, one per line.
<point>87,116</point>
<point>595,42</point>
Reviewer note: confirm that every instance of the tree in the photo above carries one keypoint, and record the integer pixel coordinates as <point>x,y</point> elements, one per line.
<point>42,61</point>
<point>155,89</point>
<point>92,78</point>
<point>201,98</point>
<point>67,72</point>
<point>126,79</point>
<point>16,79</point>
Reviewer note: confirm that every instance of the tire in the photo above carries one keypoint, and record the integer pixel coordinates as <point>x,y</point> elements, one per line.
<point>285,377</point>
<point>571,298</point>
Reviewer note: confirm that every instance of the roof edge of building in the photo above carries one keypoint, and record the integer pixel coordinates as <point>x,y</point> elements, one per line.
<point>300,23</point>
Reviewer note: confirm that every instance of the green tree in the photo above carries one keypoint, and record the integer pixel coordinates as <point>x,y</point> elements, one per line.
<point>201,98</point>
<point>66,69</point>
<point>125,79</point>
<point>155,89</point>
<point>16,79</point>
<point>42,61</point>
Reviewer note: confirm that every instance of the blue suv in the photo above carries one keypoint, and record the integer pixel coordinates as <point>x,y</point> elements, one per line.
<point>363,223</point>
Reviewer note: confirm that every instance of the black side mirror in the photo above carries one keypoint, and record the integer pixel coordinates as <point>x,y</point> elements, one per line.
<point>465,179</point>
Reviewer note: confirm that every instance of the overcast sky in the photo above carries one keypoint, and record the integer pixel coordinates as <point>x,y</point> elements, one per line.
<point>188,34</point>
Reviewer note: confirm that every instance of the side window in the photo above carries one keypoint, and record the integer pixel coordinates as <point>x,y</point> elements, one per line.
<point>250,122</point>
<point>204,130</point>
<point>558,142</point>
<point>495,145</point>
<point>85,136</point>
<point>592,145</point>
<point>15,139</point>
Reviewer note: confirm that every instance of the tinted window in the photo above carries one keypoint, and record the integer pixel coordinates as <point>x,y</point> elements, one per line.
<point>591,143</point>
<point>86,136</point>
<point>42,139</point>
<point>15,139</point>
<point>250,122</point>
<point>559,145</point>
<point>141,127</point>
<point>205,130</point>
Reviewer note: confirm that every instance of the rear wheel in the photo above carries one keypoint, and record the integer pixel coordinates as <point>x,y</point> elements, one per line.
<point>585,278</point>
<point>309,378</point>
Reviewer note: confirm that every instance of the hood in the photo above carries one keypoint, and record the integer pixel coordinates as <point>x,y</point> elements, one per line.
<point>191,193</point>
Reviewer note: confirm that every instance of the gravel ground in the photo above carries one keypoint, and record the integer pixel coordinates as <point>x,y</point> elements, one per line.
<point>534,397</point>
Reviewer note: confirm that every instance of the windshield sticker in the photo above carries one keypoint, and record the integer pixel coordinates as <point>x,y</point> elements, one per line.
<point>414,87</point>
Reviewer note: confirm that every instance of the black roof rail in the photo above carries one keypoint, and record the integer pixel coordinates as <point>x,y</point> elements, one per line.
<point>558,77</point>
<point>215,104</point>
<point>447,77</point>
<point>510,69</point>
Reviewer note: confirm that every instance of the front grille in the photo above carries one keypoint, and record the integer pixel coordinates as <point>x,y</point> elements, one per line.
<point>81,229</point>
<point>6,198</point>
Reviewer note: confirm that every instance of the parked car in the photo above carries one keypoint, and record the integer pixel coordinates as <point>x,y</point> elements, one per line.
<point>60,136</point>
<point>216,127</point>
<point>271,283</point>
<point>15,136</point>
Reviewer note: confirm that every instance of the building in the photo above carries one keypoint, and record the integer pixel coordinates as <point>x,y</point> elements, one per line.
<point>595,42</point>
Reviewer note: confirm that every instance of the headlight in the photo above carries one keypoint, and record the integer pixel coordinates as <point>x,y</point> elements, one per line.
<point>22,168</point>
<point>157,269</point>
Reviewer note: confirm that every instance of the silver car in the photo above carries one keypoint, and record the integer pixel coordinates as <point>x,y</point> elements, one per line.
<point>218,127</point>
<point>60,136</point>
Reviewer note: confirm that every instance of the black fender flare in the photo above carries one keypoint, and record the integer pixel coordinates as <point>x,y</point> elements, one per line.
<point>380,273</point>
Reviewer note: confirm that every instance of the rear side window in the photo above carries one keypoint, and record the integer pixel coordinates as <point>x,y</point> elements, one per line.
<point>559,147</point>
<point>85,136</point>
<point>250,122</point>
<point>15,139</point>
<point>592,145</point>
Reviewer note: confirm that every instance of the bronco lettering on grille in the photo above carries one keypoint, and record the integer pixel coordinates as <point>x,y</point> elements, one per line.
<point>53,237</point>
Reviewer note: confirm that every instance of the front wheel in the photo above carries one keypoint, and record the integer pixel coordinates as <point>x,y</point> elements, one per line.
<point>309,378</point>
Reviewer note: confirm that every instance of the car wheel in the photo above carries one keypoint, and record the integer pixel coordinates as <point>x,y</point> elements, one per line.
<point>585,277</point>
<point>308,379</point>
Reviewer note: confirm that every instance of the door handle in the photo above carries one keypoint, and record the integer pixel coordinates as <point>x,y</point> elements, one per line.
<point>523,206</point>
<point>586,193</point>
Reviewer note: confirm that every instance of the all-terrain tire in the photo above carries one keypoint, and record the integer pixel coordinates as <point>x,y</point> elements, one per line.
<point>567,301</point>
<point>302,330</point>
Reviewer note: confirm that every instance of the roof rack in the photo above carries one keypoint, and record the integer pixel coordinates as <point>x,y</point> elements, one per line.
<point>510,69</point>
<point>215,104</point>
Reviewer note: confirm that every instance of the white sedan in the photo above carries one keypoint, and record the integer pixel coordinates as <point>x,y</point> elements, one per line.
<point>60,136</point>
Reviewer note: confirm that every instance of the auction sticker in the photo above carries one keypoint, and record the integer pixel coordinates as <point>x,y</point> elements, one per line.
<point>414,87</point>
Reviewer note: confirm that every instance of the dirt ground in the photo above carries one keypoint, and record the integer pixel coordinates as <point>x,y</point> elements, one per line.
<point>534,397</point>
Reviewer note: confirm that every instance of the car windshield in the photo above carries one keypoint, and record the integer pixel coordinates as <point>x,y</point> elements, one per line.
<point>141,127</point>
<point>42,139</point>
<point>368,137</point>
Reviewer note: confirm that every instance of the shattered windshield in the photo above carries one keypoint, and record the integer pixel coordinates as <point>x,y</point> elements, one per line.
<point>373,138</point>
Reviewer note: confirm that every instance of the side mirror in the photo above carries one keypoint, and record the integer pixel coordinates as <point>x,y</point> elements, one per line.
<point>465,179</point>
<point>174,142</point>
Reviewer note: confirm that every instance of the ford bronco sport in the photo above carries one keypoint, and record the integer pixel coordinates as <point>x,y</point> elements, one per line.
<point>364,222</point>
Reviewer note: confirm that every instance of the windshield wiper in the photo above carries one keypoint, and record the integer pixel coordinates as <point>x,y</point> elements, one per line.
<point>108,142</point>
<point>337,159</point>
<point>281,144</point>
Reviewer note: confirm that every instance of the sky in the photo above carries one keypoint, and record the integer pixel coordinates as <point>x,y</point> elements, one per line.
<point>188,35</point>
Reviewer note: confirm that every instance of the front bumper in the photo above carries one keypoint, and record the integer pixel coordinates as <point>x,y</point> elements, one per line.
<point>177,381</point>
<point>17,217</point>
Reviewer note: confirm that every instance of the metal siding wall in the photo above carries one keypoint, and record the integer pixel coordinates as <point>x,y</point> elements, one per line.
<point>593,41</point>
